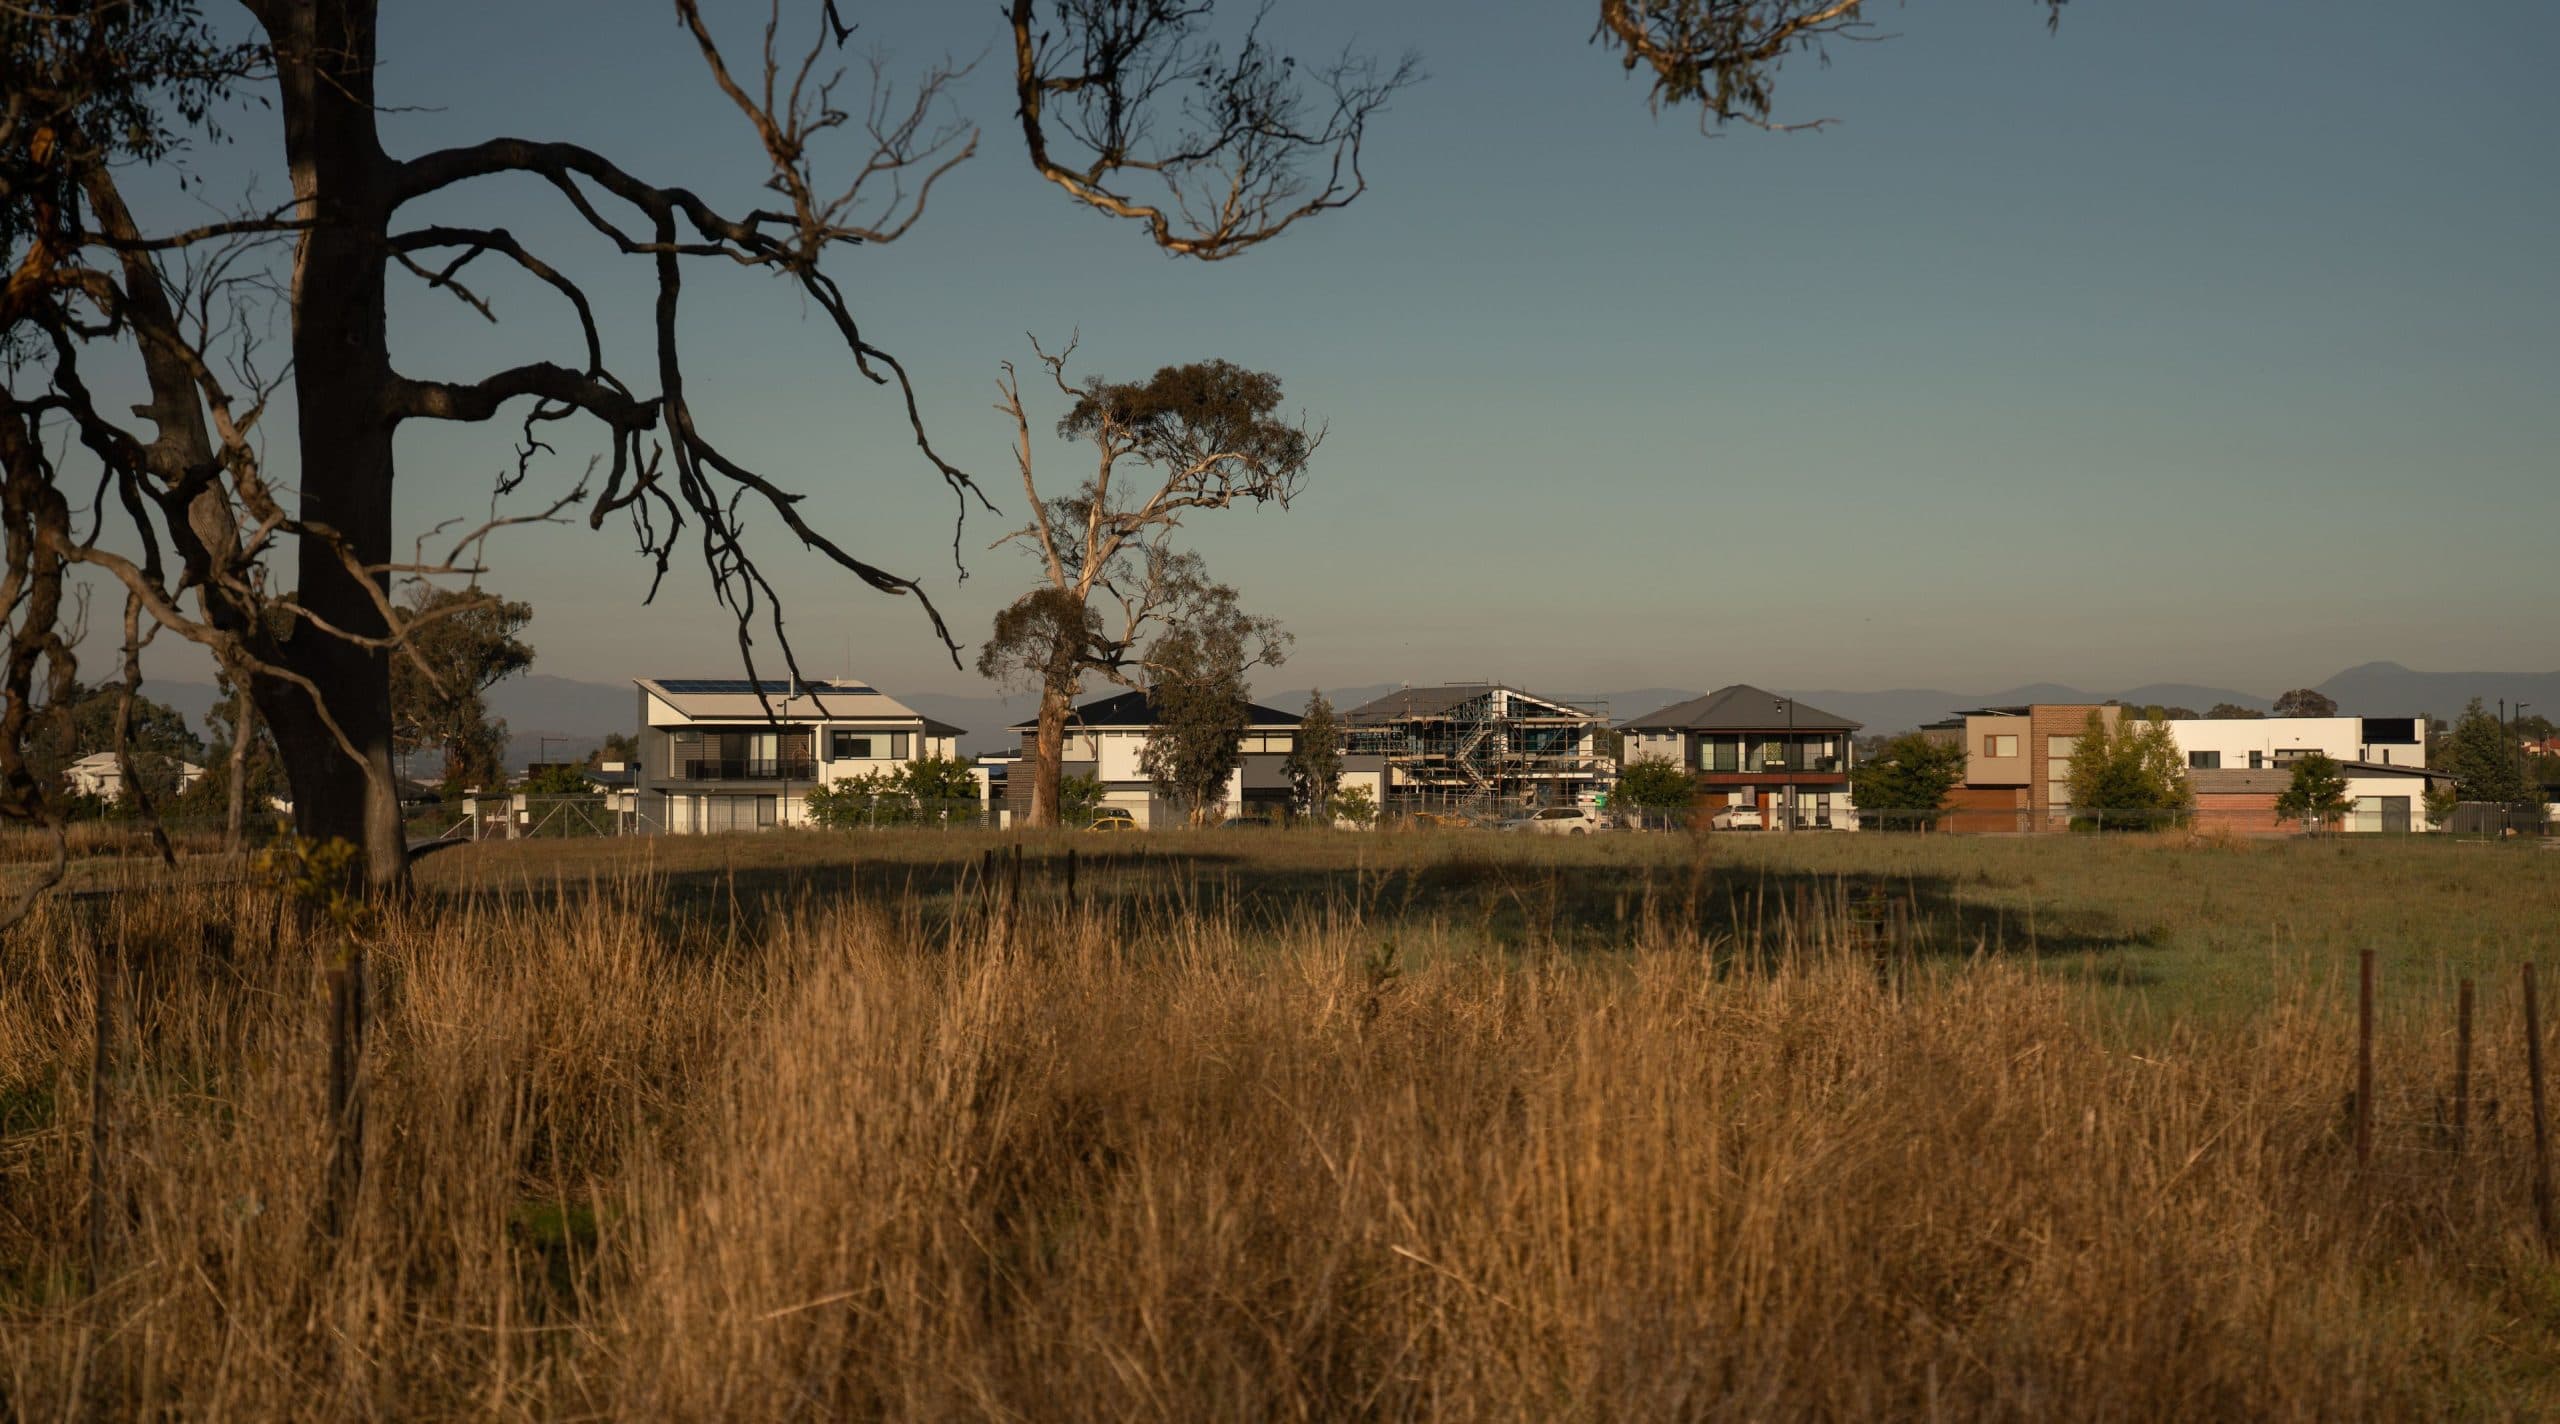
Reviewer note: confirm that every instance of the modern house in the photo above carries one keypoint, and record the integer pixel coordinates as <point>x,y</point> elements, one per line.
<point>1107,740</point>
<point>722,754</point>
<point>1478,747</point>
<point>2238,766</point>
<point>2017,764</point>
<point>1770,760</point>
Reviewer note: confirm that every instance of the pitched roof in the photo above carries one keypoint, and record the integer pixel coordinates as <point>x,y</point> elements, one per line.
<point>1428,702</point>
<point>735,699</point>
<point>1137,709</point>
<point>1742,708</point>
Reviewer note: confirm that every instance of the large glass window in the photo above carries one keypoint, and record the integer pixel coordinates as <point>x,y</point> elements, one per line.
<point>2204,761</point>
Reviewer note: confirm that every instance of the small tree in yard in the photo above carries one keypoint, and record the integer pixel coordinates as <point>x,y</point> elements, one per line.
<point>1079,799</point>
<point>2316,796</point>
<point>2130,775</point>
<point>1315,759</point>
<point>1653,784</point>
<point>1356,805</point>
<point>1207,436</point>
<point>1200,698</point>
<point>1906,784</point>
<point>2485,761</point>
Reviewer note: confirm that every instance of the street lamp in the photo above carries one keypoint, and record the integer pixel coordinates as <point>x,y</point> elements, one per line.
<point>1786,750</point>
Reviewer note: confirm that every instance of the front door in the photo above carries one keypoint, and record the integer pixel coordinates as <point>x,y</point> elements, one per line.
<point>2395,815</point>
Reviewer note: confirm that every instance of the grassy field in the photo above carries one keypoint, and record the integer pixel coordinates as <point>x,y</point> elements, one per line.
<point>1333,1126</point>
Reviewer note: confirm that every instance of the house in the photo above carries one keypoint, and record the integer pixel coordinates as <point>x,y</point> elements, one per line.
<point>1107,740</point>
<point>1767,758</point>
<point>720,754</point>
<point>2017,764</point>
<point>97,775</point>
<point>2237,767</point>
<point>1478,747</point>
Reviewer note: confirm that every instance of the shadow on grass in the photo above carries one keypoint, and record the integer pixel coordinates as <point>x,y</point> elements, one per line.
<point>1507,902</point>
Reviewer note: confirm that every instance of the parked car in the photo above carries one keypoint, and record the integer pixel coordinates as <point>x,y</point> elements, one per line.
<point>1555,821</point>
<point>1736,818</point>
<point>1112,818</point>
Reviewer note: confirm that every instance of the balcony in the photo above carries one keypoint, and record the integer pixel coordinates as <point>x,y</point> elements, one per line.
<point>749,769</point>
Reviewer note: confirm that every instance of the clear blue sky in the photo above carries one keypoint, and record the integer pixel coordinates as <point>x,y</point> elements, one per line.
<point>2201,341</point>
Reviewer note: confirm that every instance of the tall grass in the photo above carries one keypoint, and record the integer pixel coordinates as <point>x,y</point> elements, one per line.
<point>1166,1157</point>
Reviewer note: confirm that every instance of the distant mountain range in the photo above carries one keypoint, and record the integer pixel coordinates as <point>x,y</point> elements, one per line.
<point>563,718</point>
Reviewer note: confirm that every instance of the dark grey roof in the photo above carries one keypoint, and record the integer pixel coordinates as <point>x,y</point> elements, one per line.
<point>933,728</point>
<point>1742,708</point>
<point>1428,702</point>
<point>1137,709</point>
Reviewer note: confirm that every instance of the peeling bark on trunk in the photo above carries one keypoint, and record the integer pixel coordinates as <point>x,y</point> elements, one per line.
<point>1048,758</point>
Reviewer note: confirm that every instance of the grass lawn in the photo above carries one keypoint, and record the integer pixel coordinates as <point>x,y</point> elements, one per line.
<point>2173,928</point>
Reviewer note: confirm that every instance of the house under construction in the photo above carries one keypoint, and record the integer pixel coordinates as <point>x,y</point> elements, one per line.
<point>1481,748</point>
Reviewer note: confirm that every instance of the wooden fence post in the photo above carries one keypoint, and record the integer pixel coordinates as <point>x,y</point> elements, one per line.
<point>1071,879</point>
<point>2364,1060</point>
<point>2462,1072</point>
<point>2541,1119</point>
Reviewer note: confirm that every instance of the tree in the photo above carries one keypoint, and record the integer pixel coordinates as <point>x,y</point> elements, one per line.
<point>2130,774</point>
<point>1905,786</point>
<point>2306,702</point>
<point>1200,702</point>
<point>2484,761</point>
<point>940,785</point>
<point>1315,759</point>
<point>2232,712</point>
<point>558,780</point>
<point>1079,797</point>
<point>1653,783</point>
<point>461,643</point>
<point>616,747</point>
<point>1132,108</point>
<point>1356,805</point>
<point>2317,795</point>
<point>1208,436</point>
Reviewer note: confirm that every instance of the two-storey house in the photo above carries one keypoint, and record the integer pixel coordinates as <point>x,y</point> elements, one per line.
<point>725,754</point>
<point>1764,759</point>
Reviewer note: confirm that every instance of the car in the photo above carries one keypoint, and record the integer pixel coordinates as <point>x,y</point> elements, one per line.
<point>1555,821</point>
<point>1735,818</point>
<point>1112,818</point>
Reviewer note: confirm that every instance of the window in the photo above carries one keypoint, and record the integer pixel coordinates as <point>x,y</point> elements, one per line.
<point>2204,761</point>
<point>1722,754</point>
<point>850,747</point>
<point>2287,756</point>
<point>2001,745</point>
<point>2257,761</point>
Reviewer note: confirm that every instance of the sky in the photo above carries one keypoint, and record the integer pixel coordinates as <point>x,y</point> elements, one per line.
<point>2200,342</point>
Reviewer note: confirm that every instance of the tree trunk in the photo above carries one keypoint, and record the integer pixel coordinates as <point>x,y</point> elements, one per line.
<point>342,370</point>
<point>1048,757</point>
<point>244,730</point>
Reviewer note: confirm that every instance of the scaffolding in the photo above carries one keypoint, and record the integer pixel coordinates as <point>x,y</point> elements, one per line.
<point>1482,749</point>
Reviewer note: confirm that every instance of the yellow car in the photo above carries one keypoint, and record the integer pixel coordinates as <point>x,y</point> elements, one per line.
<point>1441,821</point>
<point>1112,818</point>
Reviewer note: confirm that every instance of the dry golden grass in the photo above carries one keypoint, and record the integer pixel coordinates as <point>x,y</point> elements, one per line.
<point>1182,1155</point>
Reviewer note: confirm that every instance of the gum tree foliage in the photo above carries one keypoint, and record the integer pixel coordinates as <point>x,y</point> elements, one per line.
<point>2129,776</point>
<point>1315,758</point>
<point>1201,703</point>
<point>1113,580</point>
<point>1179,117</point>
<point>2232,712</point>
<point>463,642</point>
<point>1905,785</point>
<point>2317,794</point>
<point>2486,762</point>
<point>2306,702</point>
<point>1356,805</point>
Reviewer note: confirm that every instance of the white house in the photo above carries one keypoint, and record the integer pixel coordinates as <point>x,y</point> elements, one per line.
<point>721,754</point>
<point>97,775</point>
<point>1107,740</point>
<point>2384,761</point>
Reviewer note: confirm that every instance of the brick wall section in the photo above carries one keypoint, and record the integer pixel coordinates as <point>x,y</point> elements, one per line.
<point>2242,813</point>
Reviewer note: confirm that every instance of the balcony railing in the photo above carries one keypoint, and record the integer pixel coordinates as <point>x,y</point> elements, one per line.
<point>750,769</point>
<point>1731,765</point>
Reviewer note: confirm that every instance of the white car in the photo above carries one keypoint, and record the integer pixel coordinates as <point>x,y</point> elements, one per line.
<point>1736,818</point>
<point>1554,821</point>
